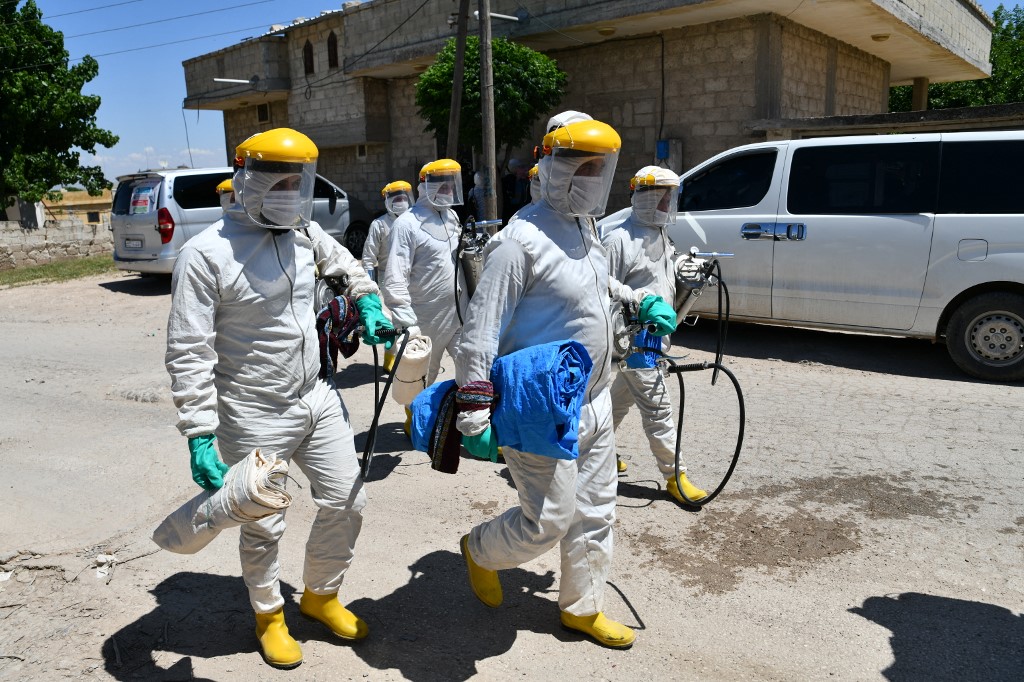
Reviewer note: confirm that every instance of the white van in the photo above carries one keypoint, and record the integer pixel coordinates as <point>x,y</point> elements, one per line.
<point>911,235</point>
<point>155,212</point>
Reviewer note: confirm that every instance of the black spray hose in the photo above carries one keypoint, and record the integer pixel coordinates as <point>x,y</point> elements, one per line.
<point>723,323</point>
<point>457,257</point>
<point>693,367</point>
<point>379,398</point>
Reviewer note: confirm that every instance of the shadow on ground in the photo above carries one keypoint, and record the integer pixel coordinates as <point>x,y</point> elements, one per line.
<point>197,615</point>
<point>151,285</point>
<point>433,628</point>
<point>939,638</point>
<point>881,354</point>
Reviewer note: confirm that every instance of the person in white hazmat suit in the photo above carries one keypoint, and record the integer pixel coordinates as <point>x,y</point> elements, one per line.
<point>420,285</point>
<point>397,200</point>
<point>242,353</point>
<point>641,256</point>
<point>226,194</point>
<point>545,278</point>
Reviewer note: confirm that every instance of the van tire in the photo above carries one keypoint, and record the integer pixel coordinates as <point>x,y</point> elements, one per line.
<point>355,237</point>
<point>985,336</point>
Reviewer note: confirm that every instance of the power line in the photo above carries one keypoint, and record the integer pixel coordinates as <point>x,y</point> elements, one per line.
<point>309,85</point>
<point>77,11</point>
<point>134,49</point>
<point>160,21</point>
<point>124,28</point>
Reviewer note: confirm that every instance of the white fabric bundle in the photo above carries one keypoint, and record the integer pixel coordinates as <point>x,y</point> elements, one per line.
<point>411,373</point>
<point>253,488</point>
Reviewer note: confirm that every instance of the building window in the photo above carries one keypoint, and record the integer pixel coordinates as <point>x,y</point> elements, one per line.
<point>360,151</point>
<point>263,113</point>
<point>307,57</point>
<point>92,216</point>
<point>332,51</point>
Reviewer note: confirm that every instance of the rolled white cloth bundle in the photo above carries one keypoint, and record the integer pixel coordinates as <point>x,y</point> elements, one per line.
<point>253,488</point>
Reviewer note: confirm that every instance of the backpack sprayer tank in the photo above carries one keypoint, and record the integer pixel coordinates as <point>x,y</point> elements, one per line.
<point>475,234</point>
<point>693,275</point>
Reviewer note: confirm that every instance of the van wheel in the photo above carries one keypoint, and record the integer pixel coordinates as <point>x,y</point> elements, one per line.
<point>355,237</point>
<point>985,336</point>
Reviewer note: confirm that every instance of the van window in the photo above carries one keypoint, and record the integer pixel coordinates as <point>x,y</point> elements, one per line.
<point>736,182</point>
<point>322,190</point>
<point>982,177</point>
<point>865,178</point>
<point>198,191</point>
<point>123,198</point>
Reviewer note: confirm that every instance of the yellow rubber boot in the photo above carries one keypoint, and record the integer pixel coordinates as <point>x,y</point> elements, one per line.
<point>602,630</point>
<point>484,582</point>
<point>389,361</point>
<point>692,491</point>
<point>407,427</point>
<point>279,648</point>
<point>620,465</point>
<point>328,610</point>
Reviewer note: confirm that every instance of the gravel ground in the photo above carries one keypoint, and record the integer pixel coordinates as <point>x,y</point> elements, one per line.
<point>873,529</point>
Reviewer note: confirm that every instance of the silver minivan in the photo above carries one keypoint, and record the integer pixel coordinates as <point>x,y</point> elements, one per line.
<point>155,212</point>
<point>912,235</point>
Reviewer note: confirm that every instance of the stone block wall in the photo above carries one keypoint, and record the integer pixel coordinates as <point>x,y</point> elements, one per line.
<point>411,146</point>
<point>822,76</point>
<point>959,25</point>
<point>56,240</point>
<point>708,93</point>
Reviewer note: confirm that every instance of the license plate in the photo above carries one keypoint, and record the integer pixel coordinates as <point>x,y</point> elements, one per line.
<point>133,243</point>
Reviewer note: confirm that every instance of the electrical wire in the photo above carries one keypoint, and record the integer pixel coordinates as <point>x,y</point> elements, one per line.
<point>311,84</point>
<point>133,26</point>
<point>134,49</point>
<point>67,14</point>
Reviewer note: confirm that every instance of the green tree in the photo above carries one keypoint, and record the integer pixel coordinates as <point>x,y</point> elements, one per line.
<point>45,120</point>
<point>1005,85</point>
<point>526,85</point>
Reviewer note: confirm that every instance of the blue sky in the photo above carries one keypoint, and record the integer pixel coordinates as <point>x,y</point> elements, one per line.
<point>142,87</point>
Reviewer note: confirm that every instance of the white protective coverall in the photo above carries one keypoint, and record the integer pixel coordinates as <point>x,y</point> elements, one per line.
<point>378,239</point>
<point>545,278</point>
<point>419,281</point>
<point>243,356</point>
<point>640,259</point>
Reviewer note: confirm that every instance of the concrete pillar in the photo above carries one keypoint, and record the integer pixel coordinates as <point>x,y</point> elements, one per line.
<point>919,99</point>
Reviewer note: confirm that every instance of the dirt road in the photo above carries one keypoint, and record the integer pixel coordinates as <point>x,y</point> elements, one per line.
<point>874,528</point>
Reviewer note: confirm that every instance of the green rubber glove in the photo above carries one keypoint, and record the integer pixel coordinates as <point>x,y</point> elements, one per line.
<point>654,310</point>
<point>484,445</point>
<point>207,469</point>
<point>373,320</point>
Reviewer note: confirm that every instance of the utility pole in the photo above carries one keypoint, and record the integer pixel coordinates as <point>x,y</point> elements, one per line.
<point>452,150</point>
<point>487,115</point>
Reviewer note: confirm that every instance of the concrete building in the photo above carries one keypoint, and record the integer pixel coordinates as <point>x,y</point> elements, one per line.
<point>703,75</point>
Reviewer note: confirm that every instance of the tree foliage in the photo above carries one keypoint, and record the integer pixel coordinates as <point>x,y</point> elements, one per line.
<point>1005,85</point>
<point>527,84</point>
<point>44,117</point>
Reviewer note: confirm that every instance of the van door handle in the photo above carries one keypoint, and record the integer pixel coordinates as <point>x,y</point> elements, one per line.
<point>794,232</point>
<point>757,231</point>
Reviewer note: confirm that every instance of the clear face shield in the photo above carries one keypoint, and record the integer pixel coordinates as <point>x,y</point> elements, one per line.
<point>278,194</point>
<point>655,205</point>
<point>583,178</point>
<point>397,202</point>
<point>443,189</point>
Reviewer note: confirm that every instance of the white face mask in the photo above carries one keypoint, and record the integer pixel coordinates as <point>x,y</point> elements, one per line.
<point>399,205</point>
<point>443,196</point>
<point>282,207</point>
<point>647,206</point>
<point>225,200</point>
<point>585,194</point>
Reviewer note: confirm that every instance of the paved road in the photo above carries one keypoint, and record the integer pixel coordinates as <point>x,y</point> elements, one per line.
<point>874,528</point>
